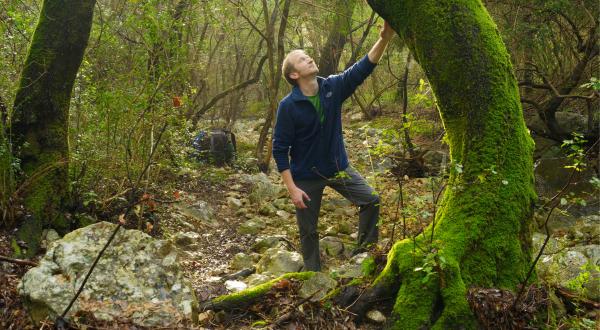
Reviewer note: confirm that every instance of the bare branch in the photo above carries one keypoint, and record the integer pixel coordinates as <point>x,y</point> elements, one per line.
<point>229,90</point>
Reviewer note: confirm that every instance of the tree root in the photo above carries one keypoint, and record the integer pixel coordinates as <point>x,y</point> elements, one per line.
<point>420,301</point>
<point>245,298</point>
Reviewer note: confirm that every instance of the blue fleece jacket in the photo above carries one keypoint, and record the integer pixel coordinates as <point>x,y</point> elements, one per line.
<point>304,145</point>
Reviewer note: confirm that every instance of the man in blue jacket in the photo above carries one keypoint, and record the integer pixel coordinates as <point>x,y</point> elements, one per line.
<point>308,145</point>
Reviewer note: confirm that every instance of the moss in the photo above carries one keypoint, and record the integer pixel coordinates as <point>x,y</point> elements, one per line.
<point>368,266</point>
<point>259,324</point>
<point>15,247</point>
<point>483,223</point>
<point>246,297</point>
<point>39,122</point>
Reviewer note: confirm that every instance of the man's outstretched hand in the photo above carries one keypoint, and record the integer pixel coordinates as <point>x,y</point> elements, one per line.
<point>298,196</point>
<point>386,33</point>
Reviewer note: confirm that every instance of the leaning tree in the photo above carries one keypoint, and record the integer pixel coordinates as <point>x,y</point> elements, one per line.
<point>481,235</point>
<point>39,122</point>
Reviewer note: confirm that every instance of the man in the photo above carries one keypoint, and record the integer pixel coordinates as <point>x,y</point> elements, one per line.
<point>308,145</point>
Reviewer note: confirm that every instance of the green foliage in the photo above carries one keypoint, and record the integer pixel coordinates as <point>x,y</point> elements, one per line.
<point>594,84</point>
<point>341,175</point>
<point>575,150</point>
<point>431,262</point>
<point>423,98</point>
<point>577,284</point>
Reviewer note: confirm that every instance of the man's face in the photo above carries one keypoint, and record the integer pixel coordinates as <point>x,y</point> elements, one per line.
<point>304,65</point>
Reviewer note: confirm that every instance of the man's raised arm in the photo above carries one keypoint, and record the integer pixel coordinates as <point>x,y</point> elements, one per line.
<point>385,35</point>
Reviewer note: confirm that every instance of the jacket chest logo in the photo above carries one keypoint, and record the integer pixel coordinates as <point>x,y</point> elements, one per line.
<point>329,94</point>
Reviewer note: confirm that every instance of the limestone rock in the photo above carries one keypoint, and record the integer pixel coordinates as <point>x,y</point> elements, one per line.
<point>267,210</point>
<point>234,203</point>
<point>262,189</point>
<point>284,204</point>
<point>185,239</point>
<point>352,269</point>
<point>200,211</point>
<point>591,251</point>
<point>552,246</point>
<point>241,261</point>
<point>317,286</point>
<point>268,242</point>
<point>49,236</point>
<point>563,267</point>
<point>376,316</point>
<point>332,204</point>
<point>138,278</point>
<point>235,286</point>
<point>278,262</point>
<point>283,214</point>
<point>331,245</point>
<point>251,227</point>
<point>256,279</point>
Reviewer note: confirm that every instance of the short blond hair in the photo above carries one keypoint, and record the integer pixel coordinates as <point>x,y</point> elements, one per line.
<point>288,67</point>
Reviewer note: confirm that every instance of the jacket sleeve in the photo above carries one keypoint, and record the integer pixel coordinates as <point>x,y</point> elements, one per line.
<point>283,137</point>
<point>351,78</point>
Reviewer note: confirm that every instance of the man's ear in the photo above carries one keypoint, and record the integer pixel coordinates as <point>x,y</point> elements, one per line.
<point>294,75</point>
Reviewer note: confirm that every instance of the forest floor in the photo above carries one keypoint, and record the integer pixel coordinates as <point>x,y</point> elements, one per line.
<point>220,240</point>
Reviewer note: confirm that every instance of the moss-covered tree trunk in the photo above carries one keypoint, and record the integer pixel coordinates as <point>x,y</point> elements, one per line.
<point>482,231</point>
<point>39,122</point>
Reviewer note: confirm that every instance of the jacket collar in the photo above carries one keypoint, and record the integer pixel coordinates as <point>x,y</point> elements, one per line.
<point>297,93</point>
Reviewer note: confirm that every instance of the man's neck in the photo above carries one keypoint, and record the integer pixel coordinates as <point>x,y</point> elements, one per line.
<point>309,86</point>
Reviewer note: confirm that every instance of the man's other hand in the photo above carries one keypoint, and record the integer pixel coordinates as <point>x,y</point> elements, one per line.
<point>298,197</point>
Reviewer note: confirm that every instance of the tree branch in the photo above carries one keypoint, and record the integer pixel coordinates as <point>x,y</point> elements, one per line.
<point>229,90</point>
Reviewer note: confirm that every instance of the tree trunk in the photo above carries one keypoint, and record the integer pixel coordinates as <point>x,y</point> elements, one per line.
<point>548,111</point>
<point>39,123</point>
<point>274,48</point>
<point>336,39</point>
<point>482,232</point>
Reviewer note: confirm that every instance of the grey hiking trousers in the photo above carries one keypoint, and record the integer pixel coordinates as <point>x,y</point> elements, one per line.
<point>353,187</point>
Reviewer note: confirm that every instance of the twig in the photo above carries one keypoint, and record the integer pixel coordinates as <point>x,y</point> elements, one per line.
<point>288,315</point>
<point>21,262</point>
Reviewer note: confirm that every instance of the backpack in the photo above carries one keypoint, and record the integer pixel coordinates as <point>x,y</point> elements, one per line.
<point>217,147</point>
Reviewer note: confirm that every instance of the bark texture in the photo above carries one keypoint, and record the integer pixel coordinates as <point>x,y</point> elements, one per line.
<point>341,26</point>
<point>482,233</point>
<point>39,123</point>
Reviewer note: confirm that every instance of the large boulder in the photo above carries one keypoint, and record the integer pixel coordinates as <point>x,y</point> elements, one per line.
<point>138,278</point>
